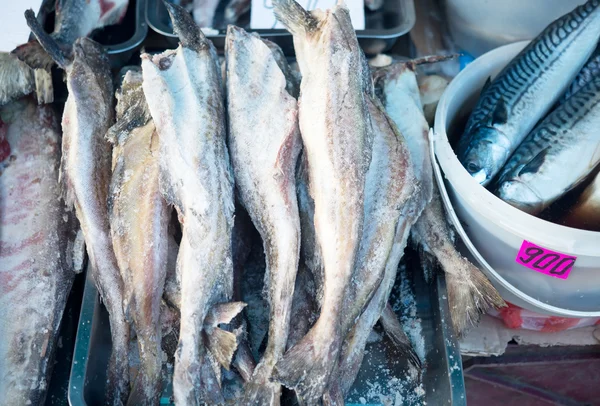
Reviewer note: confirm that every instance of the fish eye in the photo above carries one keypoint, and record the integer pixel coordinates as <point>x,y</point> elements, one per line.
<point>472,167</point>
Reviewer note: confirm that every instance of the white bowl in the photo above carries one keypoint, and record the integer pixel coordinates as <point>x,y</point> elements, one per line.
<point>494,231</point>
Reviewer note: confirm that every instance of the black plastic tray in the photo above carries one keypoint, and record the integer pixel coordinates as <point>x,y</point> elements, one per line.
<point>121,40</point>
<point>442,379</point>
<point>383,26</point>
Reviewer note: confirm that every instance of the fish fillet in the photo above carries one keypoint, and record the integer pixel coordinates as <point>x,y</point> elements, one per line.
<point>139,219</point>
<point>336,133</point>
<point>184,93</point>
<point>264,143</point>
<point>36,242</point>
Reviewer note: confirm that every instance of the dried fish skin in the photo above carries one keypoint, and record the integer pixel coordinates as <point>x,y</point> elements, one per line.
<point>36,241</point>
<point>139,218</point>
<point>16,78</point>
<point>336,133</point>
<point>184,93</point>
<point>264,144</point>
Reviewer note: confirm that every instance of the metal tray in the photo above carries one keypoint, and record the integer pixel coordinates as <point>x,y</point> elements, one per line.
<point>442,377</point>
<point>383,26</point>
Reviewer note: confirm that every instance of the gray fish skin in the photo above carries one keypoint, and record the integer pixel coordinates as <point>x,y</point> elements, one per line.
<point>510,107</point>
<point>85,175</point>
<point>264,144</point>
<point>139,218</point>
<point>469,291</point>
<point>536,174</point>
<point>336,133</point>
<point>36,267</point>
<point>184,93</point>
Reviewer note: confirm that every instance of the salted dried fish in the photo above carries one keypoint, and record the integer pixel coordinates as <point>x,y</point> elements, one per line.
<point>85,173</point>
<point>335,129</point>
<point>264,143</point>
<point>184,93</point>
<point>16,78</point>
<point>139,219</point>
<point>36,265</point>
<point>469,291</point>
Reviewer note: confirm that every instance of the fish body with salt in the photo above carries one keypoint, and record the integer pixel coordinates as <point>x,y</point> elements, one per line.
<point>512,104</point>
<point>469,291</point>
<point>36,242</point>
<point>336,133</point>
<point>139,218</point>
<point>560,153</point>
<point>85,175</point>
<point>184,93</point>
<point>264,144</point>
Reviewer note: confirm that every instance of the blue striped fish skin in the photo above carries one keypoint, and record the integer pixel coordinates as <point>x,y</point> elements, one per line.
<point>526,89</point>
<point>562,151</point>
<point>590,70</point>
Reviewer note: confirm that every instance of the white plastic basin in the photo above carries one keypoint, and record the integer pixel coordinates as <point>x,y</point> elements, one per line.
<point>494,231</point>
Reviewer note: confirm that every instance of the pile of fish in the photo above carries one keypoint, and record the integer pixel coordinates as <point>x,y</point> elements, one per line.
<point>533,136</point>
<point>328,169</point>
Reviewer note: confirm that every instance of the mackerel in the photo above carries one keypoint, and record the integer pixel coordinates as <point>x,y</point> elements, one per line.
<point>36,242</point>
<point>139,218</point>
<point>264,143</point>
<point>535,175</point>
<point>337,135</point>
<point>185,96</point>
<point>510,106</point>
<point>590,70</point>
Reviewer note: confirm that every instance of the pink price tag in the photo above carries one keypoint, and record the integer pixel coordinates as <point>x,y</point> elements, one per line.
<point>545,261</point>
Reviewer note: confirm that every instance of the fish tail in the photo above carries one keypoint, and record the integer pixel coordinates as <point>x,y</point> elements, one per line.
<point>186,29</point>
<point>243,361</point>
<point>222,344</point>
<point>294,17</point>
<point>307,366</point>
<point>33,54</point>
<point>262,394</point>
<point>118,368</point>
<point>470,294</point>
<point>395,332</point>
<point>16,78</point>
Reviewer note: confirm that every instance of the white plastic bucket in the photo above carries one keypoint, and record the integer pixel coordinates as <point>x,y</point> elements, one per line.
<point>494,231</point>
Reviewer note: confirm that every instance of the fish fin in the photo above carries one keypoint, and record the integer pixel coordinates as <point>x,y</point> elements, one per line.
<point>44,89</point>
<point>223,313</point>
<point>261,392</point>
<point>46,41</point>
<point>294,17</point>
<point>243,361</point>
<point>500,113</point>
<point>486,85</point>
<point>186,29</point>
<point>534,165</point>
<point>34,55</point>
<point>222,345</point>
<point>16,78</point>
<point>306,367</point>
<point>393,329</point>
<point>470,294</point>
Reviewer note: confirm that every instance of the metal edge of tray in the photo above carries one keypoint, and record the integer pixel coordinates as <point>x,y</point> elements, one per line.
<point>80,355</point>
<point>139,35</point>
<point>407,10</point>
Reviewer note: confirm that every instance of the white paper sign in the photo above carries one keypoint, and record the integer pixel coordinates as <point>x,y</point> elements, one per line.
<point>262,17</point>
<point>12,20</point>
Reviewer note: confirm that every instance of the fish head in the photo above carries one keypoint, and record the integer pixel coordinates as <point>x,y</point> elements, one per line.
<point>485,154</point>
<point>521,195</point>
